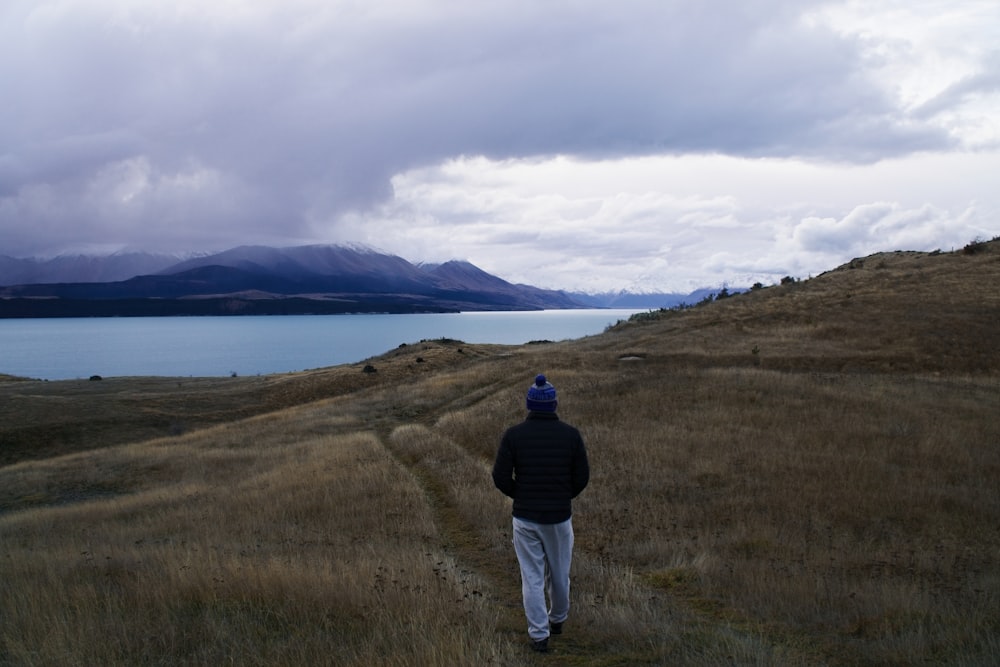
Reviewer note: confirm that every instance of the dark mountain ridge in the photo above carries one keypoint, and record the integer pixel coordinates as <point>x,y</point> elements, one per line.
<point>299,261</point>
<point>322,279</point>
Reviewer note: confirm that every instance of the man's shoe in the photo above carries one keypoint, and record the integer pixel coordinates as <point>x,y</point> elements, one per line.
<point>555,628</point>
<point>541,645</point>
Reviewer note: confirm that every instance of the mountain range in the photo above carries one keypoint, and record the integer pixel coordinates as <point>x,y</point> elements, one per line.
<point>258,280</point>
<point>266,280</point>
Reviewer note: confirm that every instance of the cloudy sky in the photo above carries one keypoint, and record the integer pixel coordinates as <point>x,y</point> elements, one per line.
<point>571,144</point>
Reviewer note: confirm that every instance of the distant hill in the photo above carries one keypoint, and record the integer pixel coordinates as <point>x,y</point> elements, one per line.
<point>264,280</point>
<point>82,268</point>
<point>627,299</point>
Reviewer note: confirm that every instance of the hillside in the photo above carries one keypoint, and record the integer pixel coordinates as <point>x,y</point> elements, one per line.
<point>804,474</point>
<point>889,312</point>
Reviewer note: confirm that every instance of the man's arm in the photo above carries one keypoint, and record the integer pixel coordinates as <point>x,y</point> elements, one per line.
<point>581,468</point>
<point>503,470</point>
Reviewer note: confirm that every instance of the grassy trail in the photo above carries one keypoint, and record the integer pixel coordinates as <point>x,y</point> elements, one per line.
<point>436,462</point>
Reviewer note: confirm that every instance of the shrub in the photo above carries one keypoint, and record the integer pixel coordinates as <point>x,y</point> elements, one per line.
<point>974,246</point>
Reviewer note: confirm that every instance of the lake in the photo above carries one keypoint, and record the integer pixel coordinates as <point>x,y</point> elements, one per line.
<point>62,349</point>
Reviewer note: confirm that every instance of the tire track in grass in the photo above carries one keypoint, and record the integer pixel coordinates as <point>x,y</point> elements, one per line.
<point>621,617</point>
<point>469,510</point>
<point>429,461</point>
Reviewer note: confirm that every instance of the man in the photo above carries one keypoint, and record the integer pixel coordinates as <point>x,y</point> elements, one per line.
<point>542,464</point>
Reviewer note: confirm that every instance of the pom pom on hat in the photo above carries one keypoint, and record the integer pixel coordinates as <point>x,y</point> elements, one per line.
<point>541,395</point>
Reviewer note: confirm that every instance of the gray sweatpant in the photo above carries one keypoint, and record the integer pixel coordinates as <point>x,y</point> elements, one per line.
<point>544,552</point>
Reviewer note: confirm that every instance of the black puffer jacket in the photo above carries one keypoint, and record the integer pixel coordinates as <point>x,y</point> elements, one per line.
<point>542,464</point>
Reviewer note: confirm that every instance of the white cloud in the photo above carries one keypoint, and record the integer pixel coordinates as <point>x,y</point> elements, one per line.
<point>939,59</point>
<point>714,219</point>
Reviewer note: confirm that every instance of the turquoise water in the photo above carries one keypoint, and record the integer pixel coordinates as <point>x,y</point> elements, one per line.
<point>60,349</point>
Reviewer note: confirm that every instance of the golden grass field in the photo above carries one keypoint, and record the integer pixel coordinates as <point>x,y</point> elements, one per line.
<point>805,474</point>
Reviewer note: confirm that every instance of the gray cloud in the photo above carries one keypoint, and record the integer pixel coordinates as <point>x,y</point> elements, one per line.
<point>179,126</point>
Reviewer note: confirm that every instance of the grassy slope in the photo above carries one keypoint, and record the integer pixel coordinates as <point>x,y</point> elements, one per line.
<point>39,419</point>
<point>803,474</point>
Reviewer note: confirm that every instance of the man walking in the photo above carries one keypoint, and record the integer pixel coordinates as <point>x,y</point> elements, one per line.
<point>542,464</point>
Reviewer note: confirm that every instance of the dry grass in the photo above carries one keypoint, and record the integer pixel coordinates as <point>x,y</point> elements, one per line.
<point>829,499</point>
<point>243,545</point>
<point>43,419</point>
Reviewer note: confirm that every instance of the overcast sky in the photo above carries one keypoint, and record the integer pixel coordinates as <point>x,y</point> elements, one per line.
<point>594,145</point>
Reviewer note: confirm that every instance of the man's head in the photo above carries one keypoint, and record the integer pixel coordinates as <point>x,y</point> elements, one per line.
<point>542,396</point>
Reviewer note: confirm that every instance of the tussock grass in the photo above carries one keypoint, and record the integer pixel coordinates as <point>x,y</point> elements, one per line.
<point>255,562</point>
<point>828,499</point>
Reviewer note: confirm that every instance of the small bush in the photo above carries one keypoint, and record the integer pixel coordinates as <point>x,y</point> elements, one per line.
<point>647,316</point>
<point>977,245</point>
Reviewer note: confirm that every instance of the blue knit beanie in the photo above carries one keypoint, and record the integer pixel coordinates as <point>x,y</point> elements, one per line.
<point>542,396</point>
